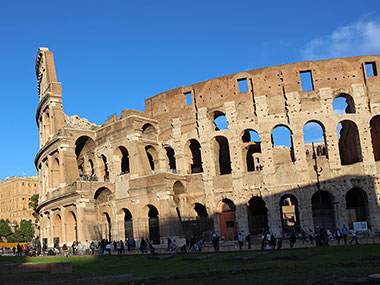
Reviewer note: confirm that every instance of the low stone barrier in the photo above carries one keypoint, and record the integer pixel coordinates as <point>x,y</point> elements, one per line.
<point>62,267</point>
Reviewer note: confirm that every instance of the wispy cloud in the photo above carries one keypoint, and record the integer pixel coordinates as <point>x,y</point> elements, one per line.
<point>359,38</point>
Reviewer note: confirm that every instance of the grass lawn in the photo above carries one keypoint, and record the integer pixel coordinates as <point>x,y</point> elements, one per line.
<point>297,266</point>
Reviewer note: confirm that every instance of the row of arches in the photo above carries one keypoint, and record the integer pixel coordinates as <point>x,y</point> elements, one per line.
<point>347,133</point>
<point>343,103</point>
<point>67,226</point>
<point>322,204</point>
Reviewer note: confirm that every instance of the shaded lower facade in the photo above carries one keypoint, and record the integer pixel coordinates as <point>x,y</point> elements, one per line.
<point>341,201</point>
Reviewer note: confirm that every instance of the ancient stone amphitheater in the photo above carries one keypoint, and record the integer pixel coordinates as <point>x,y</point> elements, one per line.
<point>203,158</point>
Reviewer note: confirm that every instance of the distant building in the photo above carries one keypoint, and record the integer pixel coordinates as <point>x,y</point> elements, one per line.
<point>15,193</point>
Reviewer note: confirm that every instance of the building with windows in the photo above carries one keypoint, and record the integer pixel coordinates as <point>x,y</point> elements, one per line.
<point>15,193</point>
<point>225,155</point>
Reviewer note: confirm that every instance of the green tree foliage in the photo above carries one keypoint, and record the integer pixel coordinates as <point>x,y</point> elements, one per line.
<point>26,230</point>
<point>15,237</point>
<point>5,229</point>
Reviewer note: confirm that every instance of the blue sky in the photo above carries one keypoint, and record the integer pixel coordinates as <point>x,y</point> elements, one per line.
<point>112,55</point>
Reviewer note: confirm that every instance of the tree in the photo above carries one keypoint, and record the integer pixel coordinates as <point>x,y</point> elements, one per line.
<point>26,230</point>
<point>5,229</point>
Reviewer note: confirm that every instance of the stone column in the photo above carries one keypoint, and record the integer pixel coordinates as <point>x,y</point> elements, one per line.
<point>63,227</point>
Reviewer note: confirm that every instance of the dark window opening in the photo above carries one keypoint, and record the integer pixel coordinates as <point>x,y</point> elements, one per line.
<point>171,158</point>
<point>154,225</point>
<point>106,173</point>
<point>230,224</point>
<point>370,69</point>
<point>323,214</point>
<point>201,210</point>
<point>189,99</point>
<point>306,81</point>
<point>124,160</point>
<point>222,151</point>
<point>375,136</point>
<point>257,216</point>
<point>128,224</point>
<point>149,152</point>
<point>196,165</point>
<point>243,85</point>
<point>349,143</point>
<point>356,206</point>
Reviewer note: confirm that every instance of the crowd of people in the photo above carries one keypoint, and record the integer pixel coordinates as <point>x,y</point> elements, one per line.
<point>321,237</point>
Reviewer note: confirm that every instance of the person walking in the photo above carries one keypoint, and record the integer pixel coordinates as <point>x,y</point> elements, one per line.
<point>292,239</point>
<point>240,241</point>
<point>338,235</point>
<point>345,234</point>
<point>353,236</point>
<point>248,239</point>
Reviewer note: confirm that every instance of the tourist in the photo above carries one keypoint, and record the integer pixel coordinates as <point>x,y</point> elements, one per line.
<point>240,241</point>
<point>311,236</point>
<point>248,239</point>
<point>108,248</point>
<point>353,236</point>
<point>215,242</point>
<point>65,250</point>
<point>345,234</point>
<point>292,239</point>
<point>338,235</point>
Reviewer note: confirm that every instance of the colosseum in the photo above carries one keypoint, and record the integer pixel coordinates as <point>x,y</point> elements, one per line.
<point>202,159</point>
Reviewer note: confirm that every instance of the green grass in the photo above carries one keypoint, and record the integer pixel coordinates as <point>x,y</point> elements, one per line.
<point>298,266</point>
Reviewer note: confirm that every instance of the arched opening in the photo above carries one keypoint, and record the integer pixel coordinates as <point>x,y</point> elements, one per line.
<point>252,150</point>
<point>196,157</point>
<point>178,190</point>
<point>314,132</point>
<point>222,155</point>
<point>124,159</point>
<point>84,151</point>
<point>200,210</point>
<point>128,224</point>
<point>289,214</point>
<point>257,215</point>
<point>323,214</point>
<point>375,136</point>
<point>343,104</point>
<point>56,177</point>
<point>103,196</point>
<point>282,145</point>
<point>92,168</point>
<point>71,227</point>
<point>349,143</point>
<point>149,132</point>
<point>154,225</point>
<point>152,156</point>
<point>171,158</point>
<point>104,168</point>
<point>220,121</point>
<point>227,220</point>
<point>57,228</point>
<point>356,206</point>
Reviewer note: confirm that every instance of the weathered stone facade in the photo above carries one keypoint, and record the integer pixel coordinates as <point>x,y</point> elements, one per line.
<point>173,171</point>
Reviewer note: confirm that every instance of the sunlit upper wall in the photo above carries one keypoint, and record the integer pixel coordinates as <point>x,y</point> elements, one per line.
<point>272,82</point>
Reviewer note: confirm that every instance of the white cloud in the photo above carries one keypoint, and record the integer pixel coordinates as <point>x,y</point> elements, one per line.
<point>359,38</point>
